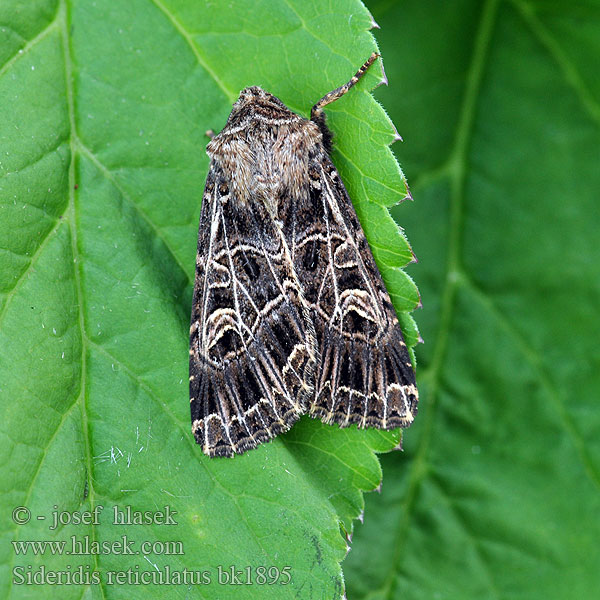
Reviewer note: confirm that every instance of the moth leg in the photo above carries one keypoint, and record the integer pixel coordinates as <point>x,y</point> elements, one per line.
<point>339,92</point>
<point>209,133</point>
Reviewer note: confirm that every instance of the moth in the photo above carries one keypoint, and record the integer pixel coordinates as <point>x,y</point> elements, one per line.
<point>290,314</point>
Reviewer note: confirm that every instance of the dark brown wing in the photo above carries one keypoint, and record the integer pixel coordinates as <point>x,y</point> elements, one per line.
<point>252,351</point>
<point>364,374</point>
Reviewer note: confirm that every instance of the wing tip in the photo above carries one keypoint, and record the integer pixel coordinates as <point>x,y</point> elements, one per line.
<point>219,440</point>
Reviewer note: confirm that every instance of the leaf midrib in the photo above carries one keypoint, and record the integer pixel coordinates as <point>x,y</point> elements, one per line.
<point>72,220</point>
<point>61,21</point>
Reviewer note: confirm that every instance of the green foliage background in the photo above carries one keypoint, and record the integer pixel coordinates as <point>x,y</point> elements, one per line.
<point>496,494</point>
<point>102,156</point>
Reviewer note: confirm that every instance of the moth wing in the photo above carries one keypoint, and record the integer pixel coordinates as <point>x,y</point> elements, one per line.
<point>364,375</point>
<point>251,359</point>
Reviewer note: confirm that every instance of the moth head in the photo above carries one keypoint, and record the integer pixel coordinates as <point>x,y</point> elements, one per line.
<point>252,94</point>
<point>255,104</point>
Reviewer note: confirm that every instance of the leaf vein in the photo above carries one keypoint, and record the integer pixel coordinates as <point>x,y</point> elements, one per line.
<point>570,72</point>
<point>21,279</point>
<point>109,175</point>
<point>534,360</point>
<point>231,96</point>
<point>22,52</point>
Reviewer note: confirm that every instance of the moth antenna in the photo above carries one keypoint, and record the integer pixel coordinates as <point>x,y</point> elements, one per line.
<point>339,92</point>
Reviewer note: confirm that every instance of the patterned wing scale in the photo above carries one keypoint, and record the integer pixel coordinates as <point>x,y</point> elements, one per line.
<point>364,374</point>
<point>251,356</point>
<point>290,314</point>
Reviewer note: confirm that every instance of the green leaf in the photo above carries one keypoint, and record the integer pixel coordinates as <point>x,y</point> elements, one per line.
<point>102,163</point>
<point>498,492</point>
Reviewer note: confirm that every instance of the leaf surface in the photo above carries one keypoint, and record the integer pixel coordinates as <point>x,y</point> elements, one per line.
<point>498,492</point>
<point>102,166</point>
